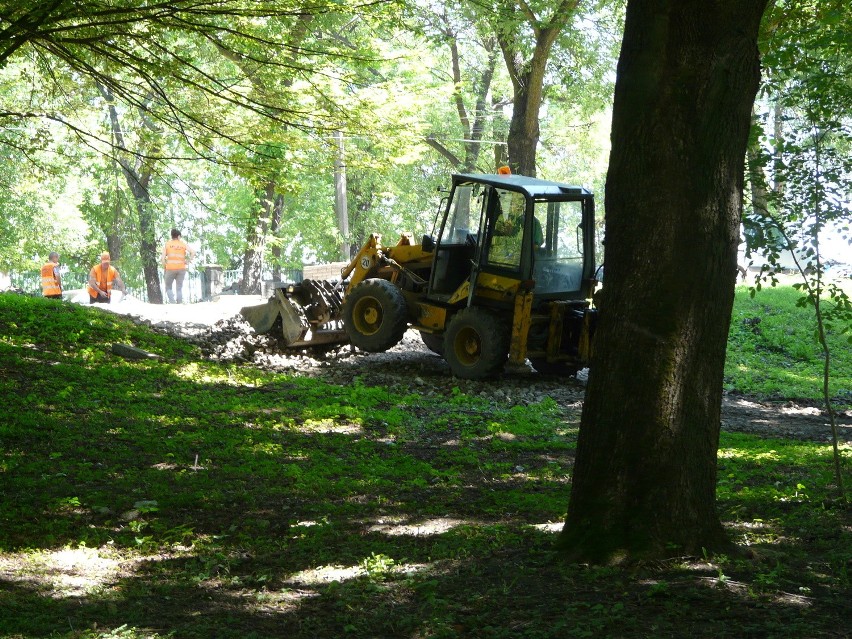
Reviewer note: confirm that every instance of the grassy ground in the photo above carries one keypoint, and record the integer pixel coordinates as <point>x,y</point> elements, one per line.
<point>178,498</point>
<point>773,352</point>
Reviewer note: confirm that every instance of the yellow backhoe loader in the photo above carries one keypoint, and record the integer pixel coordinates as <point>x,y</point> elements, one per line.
<point>508,275</point>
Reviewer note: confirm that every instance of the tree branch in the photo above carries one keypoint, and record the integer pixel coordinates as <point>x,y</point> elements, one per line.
<point>444,151</point>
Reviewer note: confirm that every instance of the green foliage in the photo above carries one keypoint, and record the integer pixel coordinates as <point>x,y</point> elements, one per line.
<point>806,158</point>
<point>36,198</point>
<point>801,164</point>
<point>184,498</point>
<point>219,104</point>
<point>254,87</point>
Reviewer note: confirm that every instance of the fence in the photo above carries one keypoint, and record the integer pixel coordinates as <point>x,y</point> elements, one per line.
<point>198,286</point>
<point>231,280</point>
<point>31,284</point>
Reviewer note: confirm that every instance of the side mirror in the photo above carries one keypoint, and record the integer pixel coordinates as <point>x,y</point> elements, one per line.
<point>427,243</point>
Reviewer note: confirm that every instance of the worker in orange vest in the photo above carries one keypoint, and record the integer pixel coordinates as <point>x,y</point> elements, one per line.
<point>103,278</point>
<point>51,283</point>
<point>176,254</point>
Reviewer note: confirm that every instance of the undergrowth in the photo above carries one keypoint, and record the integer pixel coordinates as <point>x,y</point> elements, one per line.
<point>183,498</point>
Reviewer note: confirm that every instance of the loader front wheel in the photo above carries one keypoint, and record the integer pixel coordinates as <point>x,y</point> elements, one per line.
<point>476,344</point>
<point>375,315</point>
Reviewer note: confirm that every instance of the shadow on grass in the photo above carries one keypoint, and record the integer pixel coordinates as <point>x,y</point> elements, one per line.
<point>516,591</point>
<point>239,504</point>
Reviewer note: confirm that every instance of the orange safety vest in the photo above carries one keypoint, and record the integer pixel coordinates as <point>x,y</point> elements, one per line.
<point>50,280</point>
<point>175,253</point>
<point>98,273</point>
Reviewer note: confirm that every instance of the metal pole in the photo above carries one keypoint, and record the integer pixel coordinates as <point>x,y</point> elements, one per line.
<point>341,205</point>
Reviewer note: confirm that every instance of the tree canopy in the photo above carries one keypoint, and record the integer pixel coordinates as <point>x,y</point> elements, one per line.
<point>133,97</point>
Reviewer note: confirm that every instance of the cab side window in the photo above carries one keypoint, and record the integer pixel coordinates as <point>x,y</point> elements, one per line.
<point>506,218</point>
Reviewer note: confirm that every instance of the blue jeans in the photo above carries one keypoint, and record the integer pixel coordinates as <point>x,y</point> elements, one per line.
<point>175,276</point>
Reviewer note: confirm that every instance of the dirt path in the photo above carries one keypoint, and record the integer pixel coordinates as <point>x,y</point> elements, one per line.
<point>199,315</point>
<point>783,419</point>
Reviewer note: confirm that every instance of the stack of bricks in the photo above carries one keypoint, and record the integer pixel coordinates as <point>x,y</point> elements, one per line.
<point>323,271</point>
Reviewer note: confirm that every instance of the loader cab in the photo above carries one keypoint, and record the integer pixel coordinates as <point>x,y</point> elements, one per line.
<point>510,230</point>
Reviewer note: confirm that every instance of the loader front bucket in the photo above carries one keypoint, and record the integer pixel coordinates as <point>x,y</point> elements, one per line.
<point>294,324</point>
<point>262,318</point>
<point>309,312</point>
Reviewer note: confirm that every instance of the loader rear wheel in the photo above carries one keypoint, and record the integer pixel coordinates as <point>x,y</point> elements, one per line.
<point>476,344</point>
<point>375,315</point>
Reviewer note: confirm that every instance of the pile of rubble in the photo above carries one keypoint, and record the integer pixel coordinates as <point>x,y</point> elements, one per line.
<point>409,365</point>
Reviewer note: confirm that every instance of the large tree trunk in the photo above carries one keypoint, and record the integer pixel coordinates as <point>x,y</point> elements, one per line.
<point>645,475</point>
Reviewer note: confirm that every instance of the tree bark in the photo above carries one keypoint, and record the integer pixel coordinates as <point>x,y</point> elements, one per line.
<point>138,183</point>
<point>256,243</point>
<point>645,475</point>
<point>524,131</point>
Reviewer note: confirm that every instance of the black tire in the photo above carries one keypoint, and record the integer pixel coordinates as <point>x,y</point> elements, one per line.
<point>375,315</point>
<point>563,369</point>
<point>434,343</point>
<point>476,344</point>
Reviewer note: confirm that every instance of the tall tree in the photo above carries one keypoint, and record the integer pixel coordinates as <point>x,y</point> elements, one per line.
<point>138,169</point>
<point>645,474</point>
<point>809,129</point>
<point>164,59</point>
<point>558,49</point>
<point>266,216</point>
<point>553,54</point>
<point>473,58</point>
<point>527,71</point>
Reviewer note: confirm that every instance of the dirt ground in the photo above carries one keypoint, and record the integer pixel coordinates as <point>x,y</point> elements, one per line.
<point>222,334</point>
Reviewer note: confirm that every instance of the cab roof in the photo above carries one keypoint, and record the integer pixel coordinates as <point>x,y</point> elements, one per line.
<point>532,186</point>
